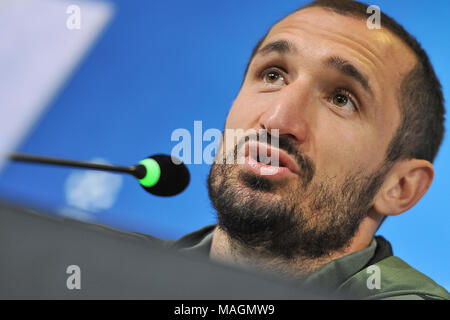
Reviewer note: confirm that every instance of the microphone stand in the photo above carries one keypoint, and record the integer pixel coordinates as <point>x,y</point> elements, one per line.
<point>137,171</point>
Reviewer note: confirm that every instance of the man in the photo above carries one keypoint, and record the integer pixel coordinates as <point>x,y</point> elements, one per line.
<point>358,116</point>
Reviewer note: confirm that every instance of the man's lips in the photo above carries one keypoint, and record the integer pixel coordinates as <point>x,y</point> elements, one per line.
<point>281,163</point>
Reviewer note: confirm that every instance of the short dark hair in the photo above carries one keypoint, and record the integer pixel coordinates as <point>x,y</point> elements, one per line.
<point>421,129</point>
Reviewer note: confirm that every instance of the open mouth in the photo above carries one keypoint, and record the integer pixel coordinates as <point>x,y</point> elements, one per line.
<point>264,159</point>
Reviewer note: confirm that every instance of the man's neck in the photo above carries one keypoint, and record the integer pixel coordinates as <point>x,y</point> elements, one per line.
<point>225,250</point>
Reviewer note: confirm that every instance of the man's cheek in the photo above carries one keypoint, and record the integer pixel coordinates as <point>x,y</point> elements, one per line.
<point>237,117</point>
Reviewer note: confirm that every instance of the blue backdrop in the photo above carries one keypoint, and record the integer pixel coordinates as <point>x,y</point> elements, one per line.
<point>161,65</point>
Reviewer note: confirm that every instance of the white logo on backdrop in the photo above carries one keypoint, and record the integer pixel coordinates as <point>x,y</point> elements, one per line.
<point>89,191</point>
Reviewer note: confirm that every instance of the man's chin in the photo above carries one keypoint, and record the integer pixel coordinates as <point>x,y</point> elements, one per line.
<point>256,183</point>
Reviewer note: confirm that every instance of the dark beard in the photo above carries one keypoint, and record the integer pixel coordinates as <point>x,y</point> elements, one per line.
<point>311,220</point>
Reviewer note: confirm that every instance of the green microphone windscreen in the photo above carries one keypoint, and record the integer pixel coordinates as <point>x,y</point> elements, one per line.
<point>164,177</point>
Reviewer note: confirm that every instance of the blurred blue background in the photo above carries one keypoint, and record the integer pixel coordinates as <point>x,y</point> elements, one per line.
<point>161,65</point>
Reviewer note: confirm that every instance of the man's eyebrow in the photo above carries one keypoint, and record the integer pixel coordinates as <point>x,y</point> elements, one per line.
<point>349,70</point>
<point>284,46</point>
<point>279,46</point>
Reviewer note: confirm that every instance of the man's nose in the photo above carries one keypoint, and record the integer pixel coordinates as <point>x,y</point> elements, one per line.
<point>287,111</point>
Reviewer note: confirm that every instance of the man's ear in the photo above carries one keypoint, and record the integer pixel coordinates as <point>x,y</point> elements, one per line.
<point>404,185</point>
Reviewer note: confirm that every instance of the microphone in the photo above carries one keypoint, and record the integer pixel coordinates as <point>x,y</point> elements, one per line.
<point>157,174</point>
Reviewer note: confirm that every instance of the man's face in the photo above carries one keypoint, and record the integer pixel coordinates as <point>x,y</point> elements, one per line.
<point>330,86</point>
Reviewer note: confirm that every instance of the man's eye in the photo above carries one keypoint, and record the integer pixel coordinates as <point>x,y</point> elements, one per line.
<point>273,77</point>
<point>342,99</point>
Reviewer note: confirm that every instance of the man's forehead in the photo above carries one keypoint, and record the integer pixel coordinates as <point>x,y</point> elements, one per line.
<point>377,46</point>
